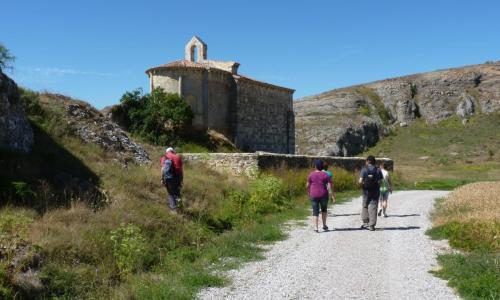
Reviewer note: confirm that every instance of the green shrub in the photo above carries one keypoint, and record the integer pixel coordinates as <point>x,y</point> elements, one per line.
<point>268,194</point>
<point>344,180</point>
<point>364,110</point>
<point>159,117</point>
<point>23,191</point>
<point>128,248</point>
<point>413,90</point>
<point>59,283</point>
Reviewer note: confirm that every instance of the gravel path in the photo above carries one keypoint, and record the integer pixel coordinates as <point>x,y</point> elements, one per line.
<point>348,263</point>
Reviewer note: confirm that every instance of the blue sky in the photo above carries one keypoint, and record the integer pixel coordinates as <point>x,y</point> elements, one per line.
<point>97,50</point>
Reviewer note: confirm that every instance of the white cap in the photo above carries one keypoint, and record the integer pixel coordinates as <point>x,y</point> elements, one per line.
<point>170,149</point>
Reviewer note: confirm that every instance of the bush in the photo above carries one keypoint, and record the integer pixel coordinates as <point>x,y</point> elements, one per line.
<point>128,248</point>
<point>159,117</point>
<point>268,194</point>
<point>344,180</point>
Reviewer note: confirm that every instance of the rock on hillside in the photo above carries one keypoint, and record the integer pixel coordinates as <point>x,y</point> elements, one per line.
<point>15,131</point>
<point>349,120</point>
<point>93,127</point>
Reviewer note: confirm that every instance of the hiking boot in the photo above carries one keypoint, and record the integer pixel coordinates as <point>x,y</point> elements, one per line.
<point>379,212</point>
<point>364,226</point>
<point>325,228</point>
<point>371,228</point>
<point>385,215</point>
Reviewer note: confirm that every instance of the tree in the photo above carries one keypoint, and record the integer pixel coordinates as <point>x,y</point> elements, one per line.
<point>158,117</point>
<point>6,59</point>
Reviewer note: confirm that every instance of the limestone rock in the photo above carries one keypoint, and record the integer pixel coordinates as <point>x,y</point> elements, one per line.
<point>348,120</point>
<point>16,133</point>
<point>90,125</point>
<point>466,107</point>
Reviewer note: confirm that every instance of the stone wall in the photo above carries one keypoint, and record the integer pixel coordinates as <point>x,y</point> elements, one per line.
<point>250,164</point>
<point>232,163</point>
<point>264,118</point>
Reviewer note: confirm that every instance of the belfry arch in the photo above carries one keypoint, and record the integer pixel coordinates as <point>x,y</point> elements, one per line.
<point>200,46</point>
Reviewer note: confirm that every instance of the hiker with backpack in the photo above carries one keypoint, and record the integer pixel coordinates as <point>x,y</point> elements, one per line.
<point>172,177</point>
<point>369,179</point>
<point>318,186</point>
<point>385,189</point>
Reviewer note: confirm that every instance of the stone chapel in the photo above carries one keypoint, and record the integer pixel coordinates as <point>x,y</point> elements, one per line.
<point>255,115</point>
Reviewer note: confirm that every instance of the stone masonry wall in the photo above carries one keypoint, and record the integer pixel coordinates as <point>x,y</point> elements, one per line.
<point>264,119</point>
<point>250,164</point>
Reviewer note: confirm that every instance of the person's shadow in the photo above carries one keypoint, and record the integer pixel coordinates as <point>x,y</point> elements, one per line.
<point>404,216</point>
<point>376,228</point>
<point>343,215</point>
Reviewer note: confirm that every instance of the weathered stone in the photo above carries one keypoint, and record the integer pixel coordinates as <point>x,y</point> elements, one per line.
<point>93,127</point>
<point>249,164</point>
<point>466,107</point>
<point>15,131</point>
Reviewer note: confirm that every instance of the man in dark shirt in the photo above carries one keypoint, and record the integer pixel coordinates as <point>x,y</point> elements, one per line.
<point>173,185</point>
<point>370,178</point>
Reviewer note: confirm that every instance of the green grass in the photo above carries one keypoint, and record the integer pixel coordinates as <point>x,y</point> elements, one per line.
<point>469,236</point>
<point>475,276</point>
<point>446,153</point>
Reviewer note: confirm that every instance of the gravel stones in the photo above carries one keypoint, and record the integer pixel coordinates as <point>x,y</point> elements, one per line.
<point>392,262</point>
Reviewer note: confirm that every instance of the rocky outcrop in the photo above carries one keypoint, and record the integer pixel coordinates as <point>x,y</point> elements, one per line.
<point>15,131</point>
<point>349,120</point>
<point>93,127</point>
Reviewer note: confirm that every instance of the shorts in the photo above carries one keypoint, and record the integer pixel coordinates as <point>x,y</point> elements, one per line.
<point>317,203</point>
<point>384,195</point>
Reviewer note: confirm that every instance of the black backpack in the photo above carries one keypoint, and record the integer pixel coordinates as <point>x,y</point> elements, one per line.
<point>371,181</point>
<point>167,169</point>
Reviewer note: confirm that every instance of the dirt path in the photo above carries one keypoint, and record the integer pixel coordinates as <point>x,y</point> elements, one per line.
<point>348,263</point>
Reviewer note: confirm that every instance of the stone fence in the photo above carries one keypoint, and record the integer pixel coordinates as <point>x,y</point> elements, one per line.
<point>250,164</point>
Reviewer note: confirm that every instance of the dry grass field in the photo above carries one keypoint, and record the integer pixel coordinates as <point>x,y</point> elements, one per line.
<point>470,219</point>
<point>470,203</point>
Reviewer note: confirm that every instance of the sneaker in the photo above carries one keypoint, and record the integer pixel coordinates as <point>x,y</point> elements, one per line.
<point>371,228</point>
<point>379,212</point>
<point>325,228</point>
<point>385,215</point>
<point>364,226</point>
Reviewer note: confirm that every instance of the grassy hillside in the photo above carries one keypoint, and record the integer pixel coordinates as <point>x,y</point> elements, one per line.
<point>123,242</point>
<point>447,151</point>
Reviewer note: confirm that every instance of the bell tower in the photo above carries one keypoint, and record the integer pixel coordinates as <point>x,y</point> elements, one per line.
<point>193,46</point>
